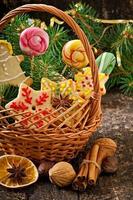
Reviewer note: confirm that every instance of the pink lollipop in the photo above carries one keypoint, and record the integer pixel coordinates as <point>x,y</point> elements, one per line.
<point>34,41</point>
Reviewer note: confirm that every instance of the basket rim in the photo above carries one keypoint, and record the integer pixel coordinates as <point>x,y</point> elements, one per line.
<point>33,135</point>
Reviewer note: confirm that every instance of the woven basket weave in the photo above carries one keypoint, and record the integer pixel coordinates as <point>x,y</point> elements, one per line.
<point>53,142</point>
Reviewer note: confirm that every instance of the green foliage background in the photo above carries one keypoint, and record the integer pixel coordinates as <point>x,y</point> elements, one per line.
<point>117,39</point>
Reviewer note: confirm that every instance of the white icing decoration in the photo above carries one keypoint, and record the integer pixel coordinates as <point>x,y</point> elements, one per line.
<point>4,53</point>
<point>5,60</point>
<point>10,79</point>
<point>6,73</point>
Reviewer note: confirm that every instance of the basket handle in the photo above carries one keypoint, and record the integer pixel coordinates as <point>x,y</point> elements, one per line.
<point>69,20</point>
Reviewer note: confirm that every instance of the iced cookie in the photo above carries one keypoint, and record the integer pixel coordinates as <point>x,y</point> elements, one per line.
<point>65,95</point>
<point>10,70</point>
<point>84,82</point>
<point>66,88</point>
<point>30,102</point>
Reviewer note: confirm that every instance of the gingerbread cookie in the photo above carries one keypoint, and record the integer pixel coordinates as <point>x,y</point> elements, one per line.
<point>63,88</point>
<point>64,94</point>
<point>29,102</point>
<point>10,70</point>
<point>84,82</point>
<point>103,79</point>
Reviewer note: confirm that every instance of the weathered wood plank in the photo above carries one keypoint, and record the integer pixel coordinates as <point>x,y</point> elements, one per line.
<point>8,194</point>
<point>48,191</point>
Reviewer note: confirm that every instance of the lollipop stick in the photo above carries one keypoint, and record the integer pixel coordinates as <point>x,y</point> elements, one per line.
<point>32,65</point>
<point>64,69</point>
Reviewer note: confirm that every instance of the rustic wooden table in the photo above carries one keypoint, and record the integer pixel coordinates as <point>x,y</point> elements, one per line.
<point>117,124</point>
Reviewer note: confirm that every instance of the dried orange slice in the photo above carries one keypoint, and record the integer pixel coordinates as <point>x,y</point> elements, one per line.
<point>17,171</point>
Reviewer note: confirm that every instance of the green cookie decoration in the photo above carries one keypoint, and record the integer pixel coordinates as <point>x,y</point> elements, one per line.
<point>106,62</point>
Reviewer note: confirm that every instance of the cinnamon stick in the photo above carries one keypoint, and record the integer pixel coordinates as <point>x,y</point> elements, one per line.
<point>102,148</point>
<point>90,168</point>
<point>92,165</point>
<point>80,182</point>
<point>102,154</point>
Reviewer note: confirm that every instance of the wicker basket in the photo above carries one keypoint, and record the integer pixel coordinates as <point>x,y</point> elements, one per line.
<point>56,141</point>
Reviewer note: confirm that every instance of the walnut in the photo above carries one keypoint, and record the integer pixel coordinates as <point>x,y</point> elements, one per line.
<point>62,174</point>
<point>110,164</point>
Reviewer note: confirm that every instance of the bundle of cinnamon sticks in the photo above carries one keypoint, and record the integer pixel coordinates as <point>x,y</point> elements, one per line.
<point>90,168</point>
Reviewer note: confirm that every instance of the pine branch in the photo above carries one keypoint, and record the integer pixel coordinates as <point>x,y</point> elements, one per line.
<point>7,93</point>
<point>50,64</point>
<point>91,29</point>
<point>127,84</point>
<point>109,38</point>
<point>13,30</point>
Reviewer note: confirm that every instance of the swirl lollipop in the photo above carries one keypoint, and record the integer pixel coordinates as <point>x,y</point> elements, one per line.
<point>74,55</point>
<point>34,41</point>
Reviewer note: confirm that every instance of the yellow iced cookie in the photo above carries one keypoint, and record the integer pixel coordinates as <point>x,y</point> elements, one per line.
<point>64,88</point>
<point>84,82</point>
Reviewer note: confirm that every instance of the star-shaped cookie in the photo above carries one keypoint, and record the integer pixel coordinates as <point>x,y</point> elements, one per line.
<point>64,88</point>
<point>30,102</point>
<point>84,82</point>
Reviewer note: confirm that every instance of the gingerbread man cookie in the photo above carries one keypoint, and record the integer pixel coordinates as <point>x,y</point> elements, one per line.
<point>10,70</point>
